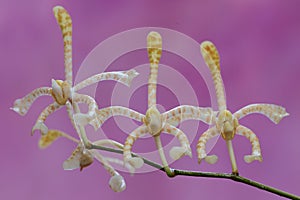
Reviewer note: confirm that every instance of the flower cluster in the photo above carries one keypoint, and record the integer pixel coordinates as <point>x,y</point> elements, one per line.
<point>64,93</point>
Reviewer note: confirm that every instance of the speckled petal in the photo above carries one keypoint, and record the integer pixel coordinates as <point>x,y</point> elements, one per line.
<point>49,138</point>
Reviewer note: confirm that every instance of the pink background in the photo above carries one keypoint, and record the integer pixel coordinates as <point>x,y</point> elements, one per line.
<point>259,45</point>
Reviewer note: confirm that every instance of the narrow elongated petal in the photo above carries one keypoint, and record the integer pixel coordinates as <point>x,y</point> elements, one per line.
<point>105,113</point>
<point>154,46</point>
<point>256,151</point>
<point>201,146</point>
<point>124,77</point>
<point>212,59</point>
<point>21,106</point>
<point>134,161</point>
<point>274,112</point>
<point>40,123</point>
<point>185,149</point>
<point>65,22</point>
<point>185,112</point>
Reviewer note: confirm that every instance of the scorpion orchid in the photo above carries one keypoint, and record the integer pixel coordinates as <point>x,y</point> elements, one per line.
<point>153,121</point>
<point>62,91</point>
<point>227,124</point>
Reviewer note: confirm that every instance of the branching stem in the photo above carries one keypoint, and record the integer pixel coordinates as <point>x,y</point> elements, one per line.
<point>233,177</point>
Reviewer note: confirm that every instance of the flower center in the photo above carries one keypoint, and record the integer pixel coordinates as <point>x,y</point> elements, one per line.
<point>153,120</point>
<point>61,91</point>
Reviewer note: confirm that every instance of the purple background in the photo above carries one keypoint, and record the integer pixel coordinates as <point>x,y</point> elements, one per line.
<point>259,45</point>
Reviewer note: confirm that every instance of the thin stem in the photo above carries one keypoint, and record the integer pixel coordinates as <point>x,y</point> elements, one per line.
<point>233,177</point>
<point>232,157</point>
<point>82,132</point>
<point>69,137</point>
<point>162,156</point>
<point>237,178</point>
<point>148,162</point>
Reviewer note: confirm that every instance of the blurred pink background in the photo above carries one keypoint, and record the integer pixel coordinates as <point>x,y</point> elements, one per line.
<point>259,43</point>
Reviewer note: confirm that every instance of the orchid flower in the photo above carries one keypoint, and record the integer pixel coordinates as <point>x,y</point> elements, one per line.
<point>153,121</point>
<point>227,124</point>
<point>62,92</point>
<point>82,158</point>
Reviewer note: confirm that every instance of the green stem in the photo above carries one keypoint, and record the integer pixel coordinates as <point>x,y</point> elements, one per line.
<point>236,178</point>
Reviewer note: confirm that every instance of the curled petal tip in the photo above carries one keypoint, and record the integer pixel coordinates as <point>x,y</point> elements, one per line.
<point>19,107</point>
<point>117,183</point>
<point>211,159</point>
<point>286,114</point>
<point>131,75</point>
<point>16,109</point>
<point>280,117</point>
<point>40,126</point>
<point>251,158</point>
<point>178,152</point>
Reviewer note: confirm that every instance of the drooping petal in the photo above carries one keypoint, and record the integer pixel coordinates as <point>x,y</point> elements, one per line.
<point>49,138</point>
<point>117,183</point>
<point>256,150</point>
<point>201,146</point>
<point>21,106</point>
<point>134,161</point>
<point>274,112</point>
<point>184,149</point>
<point>40,125</point>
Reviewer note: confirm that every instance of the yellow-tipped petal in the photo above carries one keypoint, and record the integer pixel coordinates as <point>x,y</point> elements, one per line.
<point>209,49</point>
<point>49,138</point>
<point>178,152</point>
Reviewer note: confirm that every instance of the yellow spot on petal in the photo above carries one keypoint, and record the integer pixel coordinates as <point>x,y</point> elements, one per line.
<point>49,138</point>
